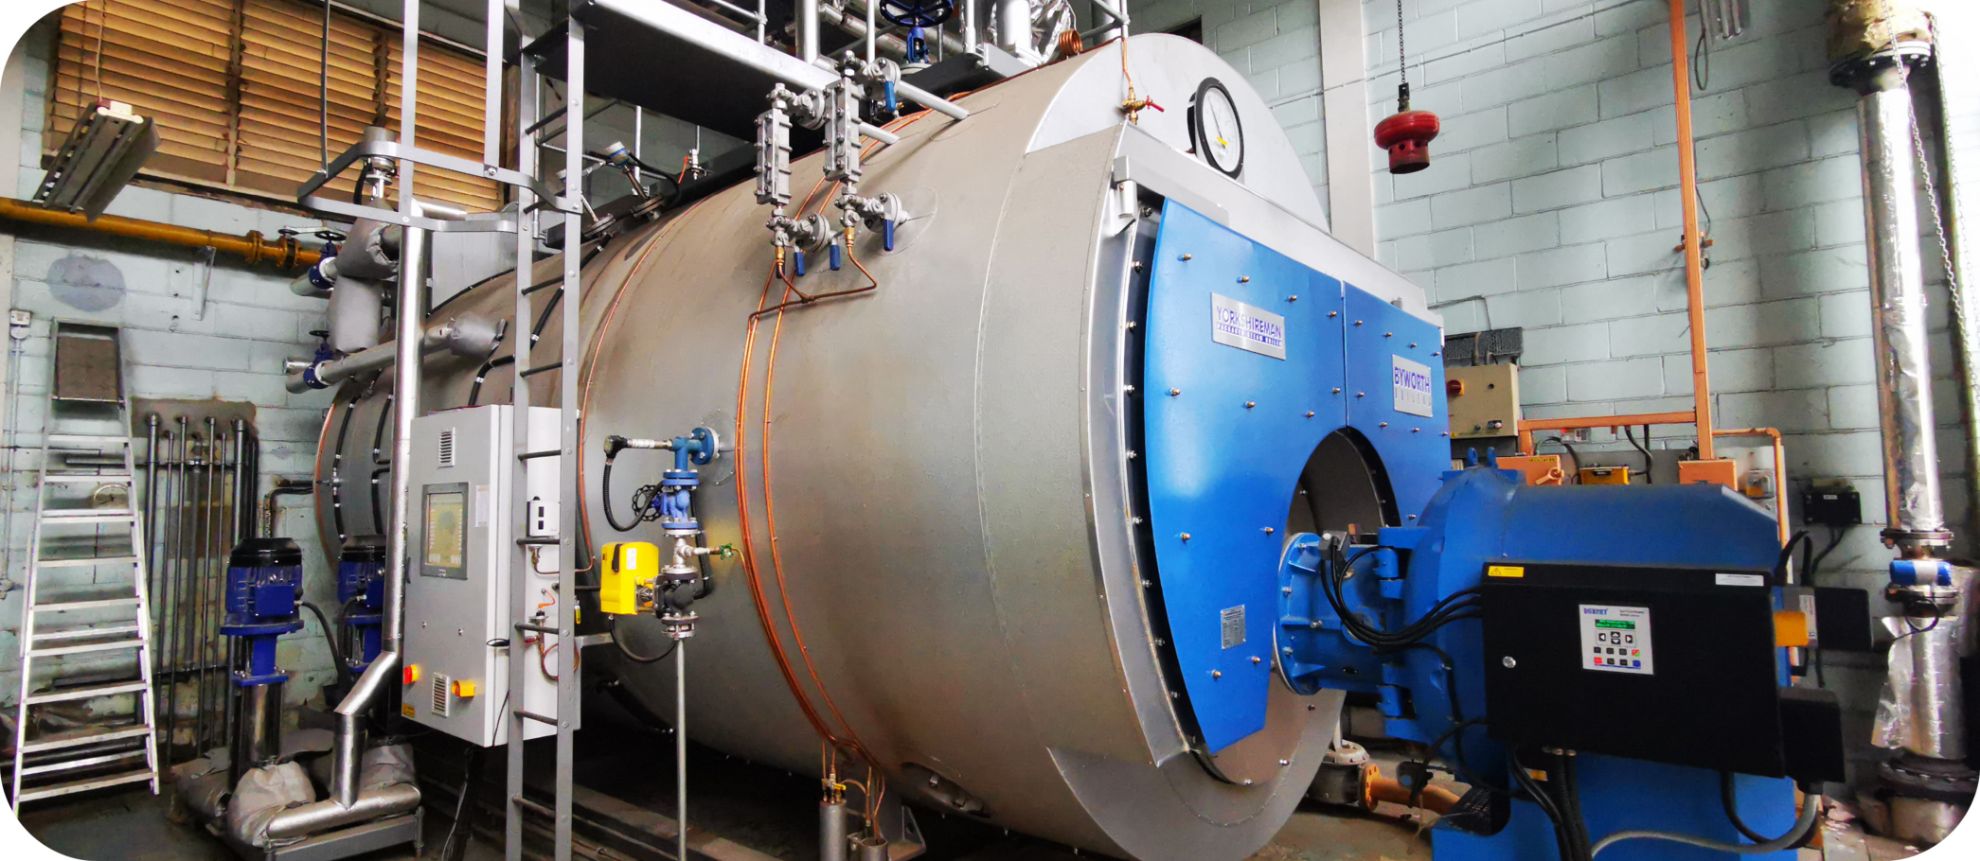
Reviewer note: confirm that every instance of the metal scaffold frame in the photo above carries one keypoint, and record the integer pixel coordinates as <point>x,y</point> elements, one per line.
<point>418,220</point>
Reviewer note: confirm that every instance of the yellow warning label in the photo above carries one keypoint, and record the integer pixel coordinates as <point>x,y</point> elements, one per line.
<point>1513,572</point>
<point>407,710</point>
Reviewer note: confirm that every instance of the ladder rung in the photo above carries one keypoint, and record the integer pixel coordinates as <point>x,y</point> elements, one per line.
<point>537,629</point>
<point>92,604</point>
<point>88,477</point>
<point>80,762</point>
<point>79,513</point>
<point>53,790</point>
<point>547,452</point>
<point>85,561</point>
<point>83,633</point>
<point>535,717</point>
<point>79,519</point>
<point>88,735</point>
<point>540,369</point>
<point>87,647</point>
<point>539,541</point>
<point>56,440</point>
<point>87,692</point>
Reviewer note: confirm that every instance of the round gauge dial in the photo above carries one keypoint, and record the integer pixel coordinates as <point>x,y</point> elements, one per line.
<point>1214,124</point>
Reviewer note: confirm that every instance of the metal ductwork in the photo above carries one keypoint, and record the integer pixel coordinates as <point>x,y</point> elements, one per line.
<point>1875,45</point>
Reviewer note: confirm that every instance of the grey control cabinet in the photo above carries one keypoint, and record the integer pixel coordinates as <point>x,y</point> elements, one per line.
<point>462,542</point>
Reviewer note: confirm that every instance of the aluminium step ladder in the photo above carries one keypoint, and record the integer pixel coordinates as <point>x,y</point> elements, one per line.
<point>86,623</point>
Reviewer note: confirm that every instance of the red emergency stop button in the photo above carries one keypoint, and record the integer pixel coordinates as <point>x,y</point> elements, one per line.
<point>412,673</point>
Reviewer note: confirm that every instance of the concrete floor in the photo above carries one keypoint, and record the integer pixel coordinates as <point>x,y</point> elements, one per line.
<point>766,810</point>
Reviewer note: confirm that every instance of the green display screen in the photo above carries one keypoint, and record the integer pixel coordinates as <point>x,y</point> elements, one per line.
<point>1612,623</point>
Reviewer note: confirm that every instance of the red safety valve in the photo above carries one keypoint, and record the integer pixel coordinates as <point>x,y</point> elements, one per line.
<point>1406,134</point>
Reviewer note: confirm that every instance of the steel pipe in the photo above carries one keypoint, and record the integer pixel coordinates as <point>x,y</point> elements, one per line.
<point>807,30</point>
<point>831,830</point>
<point>251,247</point>
<point>405,384</point>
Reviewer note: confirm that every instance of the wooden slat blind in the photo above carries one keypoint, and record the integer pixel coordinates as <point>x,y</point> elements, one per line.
<point>232,85</point>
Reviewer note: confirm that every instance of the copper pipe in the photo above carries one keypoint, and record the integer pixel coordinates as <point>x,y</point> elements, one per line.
<point>252,247</point>
<point>1780,473</point>
<point>1694,257</point>
<point>1380,788</point>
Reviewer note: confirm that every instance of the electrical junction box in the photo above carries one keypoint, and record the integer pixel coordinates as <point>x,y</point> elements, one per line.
<point>462,537</point>
<point>1674,665</point>
<point>1484,400</point>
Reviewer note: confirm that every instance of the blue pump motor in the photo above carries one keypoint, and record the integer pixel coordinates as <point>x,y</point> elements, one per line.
<point>263,602</point>
<point>361,592</point>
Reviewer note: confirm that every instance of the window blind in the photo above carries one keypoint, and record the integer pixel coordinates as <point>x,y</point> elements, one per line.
<point>232,85</point>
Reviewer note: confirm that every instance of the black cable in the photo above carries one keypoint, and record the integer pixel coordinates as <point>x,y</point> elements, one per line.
<point>1574,457</point>
<point>467,780</point>
<point>1649,459</point>
<point>1835,539</point>
<point>612,630</point>
<point>1570,790</point>
<point>1728,799</point>
<point>605,500</point>
<point>1798,539</point>
<point>1562,843</point>
<point>330,639</point>
<point>1453,607</point>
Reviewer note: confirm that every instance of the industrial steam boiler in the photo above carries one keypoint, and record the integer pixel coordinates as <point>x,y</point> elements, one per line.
<point>1079,497</point>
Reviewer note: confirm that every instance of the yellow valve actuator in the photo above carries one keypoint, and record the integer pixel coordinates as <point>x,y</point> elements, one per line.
<point>628,565</point>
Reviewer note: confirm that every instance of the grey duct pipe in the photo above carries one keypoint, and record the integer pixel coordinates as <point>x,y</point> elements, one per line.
<point>468,335</point>
<point>346,803</point>
<point>1897,302</point>
<point>1013,19</point>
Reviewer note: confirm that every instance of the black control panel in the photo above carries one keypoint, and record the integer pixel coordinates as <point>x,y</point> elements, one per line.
<point>1672,665</point>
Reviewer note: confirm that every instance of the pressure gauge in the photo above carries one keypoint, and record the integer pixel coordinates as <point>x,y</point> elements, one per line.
<point>1214,126</point>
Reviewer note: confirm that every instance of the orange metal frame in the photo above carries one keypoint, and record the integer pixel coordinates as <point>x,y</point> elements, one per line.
<point>1694,274</point>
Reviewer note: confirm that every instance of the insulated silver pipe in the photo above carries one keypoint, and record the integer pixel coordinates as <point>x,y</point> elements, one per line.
<point>1897,308</point>
<point>375,803</point>
<point>405,395</point>
<point>468,335</point>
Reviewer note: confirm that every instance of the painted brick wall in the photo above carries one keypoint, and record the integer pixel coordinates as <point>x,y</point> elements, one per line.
<point>1276,44</point>
<point>231,348</point>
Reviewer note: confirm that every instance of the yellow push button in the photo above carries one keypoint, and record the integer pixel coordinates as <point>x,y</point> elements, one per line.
<point>464,689</point>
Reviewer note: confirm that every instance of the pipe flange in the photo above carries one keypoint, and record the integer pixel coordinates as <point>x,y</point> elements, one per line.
<point>1914,776</point>
<point>1933,538</point>
<point>1881,70</point>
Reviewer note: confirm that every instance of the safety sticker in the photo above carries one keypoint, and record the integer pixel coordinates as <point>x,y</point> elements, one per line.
<point>1247,327</point>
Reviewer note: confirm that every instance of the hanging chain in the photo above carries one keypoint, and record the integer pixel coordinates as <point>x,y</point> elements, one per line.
<point>1402,56</point>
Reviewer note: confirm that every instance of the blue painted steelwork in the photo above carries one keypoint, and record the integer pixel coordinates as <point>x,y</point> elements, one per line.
<point>1384,344</point>
<point>1227,431</point>
<point>1484,514</point>
<point>263,602</point>
<point>361,593</point>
